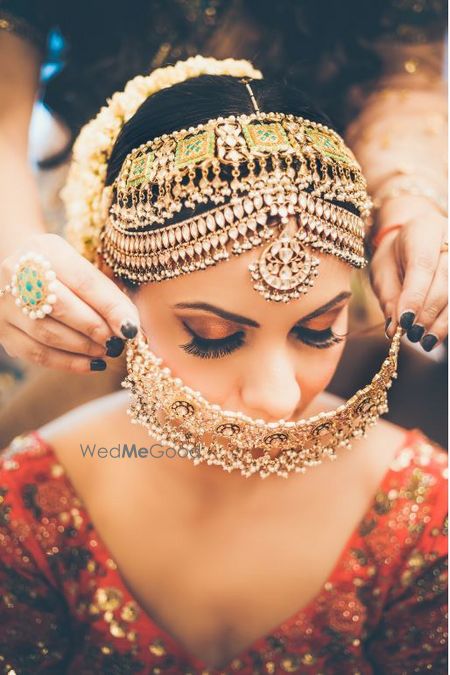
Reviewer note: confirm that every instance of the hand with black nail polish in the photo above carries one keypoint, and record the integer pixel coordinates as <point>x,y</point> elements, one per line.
<point>407,319</point>
<point>98,364</point>
<point>409,267</point>
<point>114,346</point>
<point>415,333</point>
<point>428,342</point>
<point>129,329</point>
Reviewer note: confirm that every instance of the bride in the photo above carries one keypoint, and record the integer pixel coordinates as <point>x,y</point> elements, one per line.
<point>136,534</point>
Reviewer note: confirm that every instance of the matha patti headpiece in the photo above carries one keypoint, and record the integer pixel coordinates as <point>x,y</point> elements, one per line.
<point>240,179</point>
<point>233,182</point>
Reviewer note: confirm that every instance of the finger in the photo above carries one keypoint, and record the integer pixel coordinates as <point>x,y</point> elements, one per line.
<point>434,304</point>
<point>97,290</point>
<point>70,310</point>
<point>384,277</point>
<point>20,345</point>
<point>437,332</point>
<point>53,333</point>
<point>420,256</point>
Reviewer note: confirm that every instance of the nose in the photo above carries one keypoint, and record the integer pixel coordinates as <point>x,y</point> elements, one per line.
<point>270,389</point>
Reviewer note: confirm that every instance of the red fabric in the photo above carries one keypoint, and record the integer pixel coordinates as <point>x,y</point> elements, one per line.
<point>65,609</point>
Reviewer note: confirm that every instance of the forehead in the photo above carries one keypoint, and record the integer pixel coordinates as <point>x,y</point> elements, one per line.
<point>230,286</point>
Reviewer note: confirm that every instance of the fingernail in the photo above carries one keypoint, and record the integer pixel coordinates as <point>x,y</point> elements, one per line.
<point>386,326</point>
<point>98,364</point>
<point>407,319</point>
<point>415,332</point>
<point>428,342</point>
<point>114,346</point>
<point>129,329</point>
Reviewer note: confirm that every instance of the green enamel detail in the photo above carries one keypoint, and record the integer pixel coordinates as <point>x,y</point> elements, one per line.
<point>31,285</point>
<point>194,149</point>
<point>266,137</point>
<point>329,146</point>
<point>141,170</point>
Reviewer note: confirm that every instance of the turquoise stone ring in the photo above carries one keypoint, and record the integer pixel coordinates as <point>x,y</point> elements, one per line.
<point>33,285</point>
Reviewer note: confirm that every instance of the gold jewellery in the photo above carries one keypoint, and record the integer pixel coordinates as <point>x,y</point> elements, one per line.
<point>191,199</point>
<point>33,285</point>
<point>180,417</point>
<point>236,181</point>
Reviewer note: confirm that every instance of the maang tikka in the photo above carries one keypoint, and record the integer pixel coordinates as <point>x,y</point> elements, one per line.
<point>285,268</point>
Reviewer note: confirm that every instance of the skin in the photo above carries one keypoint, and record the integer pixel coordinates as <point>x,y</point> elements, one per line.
<point>204,543</point>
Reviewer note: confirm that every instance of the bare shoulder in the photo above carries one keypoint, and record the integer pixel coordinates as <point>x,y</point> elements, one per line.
<point>93,417</point>
<point>99,421</point>
<point>380,445</point>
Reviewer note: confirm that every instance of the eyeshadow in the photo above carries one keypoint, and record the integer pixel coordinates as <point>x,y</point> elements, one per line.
<point>210,329</point>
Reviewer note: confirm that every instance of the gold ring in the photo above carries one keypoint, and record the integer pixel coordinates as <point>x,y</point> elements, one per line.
<point>444,247</point>
<point>33,285</point>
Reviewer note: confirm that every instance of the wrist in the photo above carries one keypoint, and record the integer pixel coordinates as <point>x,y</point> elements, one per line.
<point>384,232</point>
<point>402,189</point>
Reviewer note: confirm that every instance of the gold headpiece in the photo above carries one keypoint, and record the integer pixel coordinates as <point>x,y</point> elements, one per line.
<point>251,172</point>
<point>247,174</point>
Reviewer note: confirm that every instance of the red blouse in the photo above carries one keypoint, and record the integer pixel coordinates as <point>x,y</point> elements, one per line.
<point>64,607</point>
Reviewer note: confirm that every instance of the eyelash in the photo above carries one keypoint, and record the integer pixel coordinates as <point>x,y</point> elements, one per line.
<point>215,349</point>
<point>319,339</point>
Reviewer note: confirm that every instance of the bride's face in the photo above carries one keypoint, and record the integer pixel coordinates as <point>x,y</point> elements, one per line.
<point>221,337</point>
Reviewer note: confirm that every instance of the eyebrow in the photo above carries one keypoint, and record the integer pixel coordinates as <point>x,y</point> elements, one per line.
<point>245,321</point>
<point>327,306</point>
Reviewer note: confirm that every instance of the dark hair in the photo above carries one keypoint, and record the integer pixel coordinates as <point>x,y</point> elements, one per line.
<point>200,99</point>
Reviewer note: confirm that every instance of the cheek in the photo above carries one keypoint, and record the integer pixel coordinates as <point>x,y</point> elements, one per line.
<point>321,364</point>
<point>319,369</point>
<point>213,377</point>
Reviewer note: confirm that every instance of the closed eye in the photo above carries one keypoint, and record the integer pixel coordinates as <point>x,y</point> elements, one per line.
<point>207,348</point>
<point>320,339</point>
